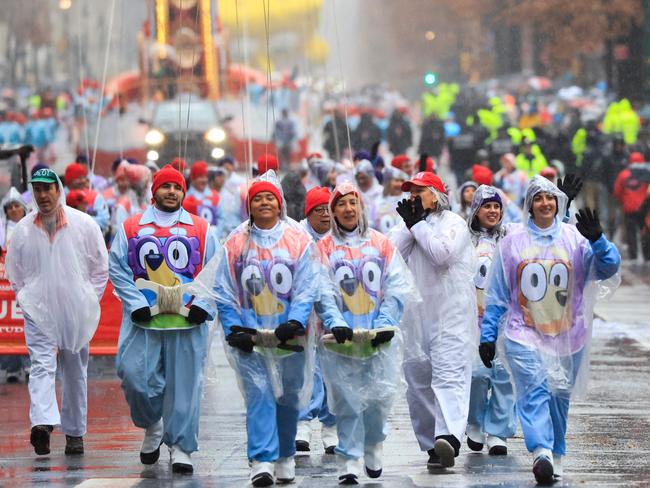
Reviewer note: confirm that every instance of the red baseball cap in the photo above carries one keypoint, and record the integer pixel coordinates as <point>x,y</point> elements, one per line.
<point>425,178</point>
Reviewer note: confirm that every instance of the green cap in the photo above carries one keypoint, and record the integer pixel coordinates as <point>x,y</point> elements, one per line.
<point>44,176</point>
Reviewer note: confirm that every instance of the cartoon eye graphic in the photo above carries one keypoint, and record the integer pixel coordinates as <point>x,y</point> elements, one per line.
<point>559,276</point>
<point>371,275</point>
<point>281,278</point>
<point>178,254</point>
<point>344,276</point>
<point>148,246</point>
<point>533,282</point>
<point>206,213</point>
<point>481,276</point>
<point>252,279</point>
<point>387,222</point>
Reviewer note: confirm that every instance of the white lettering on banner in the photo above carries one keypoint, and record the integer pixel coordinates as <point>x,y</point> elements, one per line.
<point>16,312</point>
<point>11,329</point>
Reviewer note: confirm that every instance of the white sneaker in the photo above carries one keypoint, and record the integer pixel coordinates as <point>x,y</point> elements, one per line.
<point>372,458</point>
<point>181,462</point>
<point>330,438</point>
<point>285,470</point>
<point>303,436</point>
<point>150,449</point>
<point>496,446</point>
<point>262,473</point>
<point>557,467</point>
<point>349,470</point>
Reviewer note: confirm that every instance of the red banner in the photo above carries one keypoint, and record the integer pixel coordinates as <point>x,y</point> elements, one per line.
<point>12,339</point>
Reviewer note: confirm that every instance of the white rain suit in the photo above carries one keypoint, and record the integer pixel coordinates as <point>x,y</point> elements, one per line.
<point>58,284</point>
<point>440,332</point>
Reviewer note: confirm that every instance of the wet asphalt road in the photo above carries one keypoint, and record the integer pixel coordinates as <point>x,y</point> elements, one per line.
<point>608,441</point>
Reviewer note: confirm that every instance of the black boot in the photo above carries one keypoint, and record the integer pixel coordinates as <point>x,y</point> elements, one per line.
<point>40,439</point>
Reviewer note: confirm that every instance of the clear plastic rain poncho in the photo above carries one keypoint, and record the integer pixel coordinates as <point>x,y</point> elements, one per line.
<point>371,286</point>
<point>485,242</point>
<point>265,278</point>
<point>548,280</point>
<point>59,283</point>
<point>443,262</point>
<point>7,226</point>
<point>384,216</point>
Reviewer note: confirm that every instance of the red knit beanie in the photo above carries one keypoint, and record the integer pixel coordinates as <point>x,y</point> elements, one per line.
<point>74,171</point>
<point>167,175</point>
<point>199,169</point>
<point>399,160</point>
<point>319,195</point>
<point>266,162</point>
<point>179,164</point>
<point>261,186</point>
<point>482,175</point>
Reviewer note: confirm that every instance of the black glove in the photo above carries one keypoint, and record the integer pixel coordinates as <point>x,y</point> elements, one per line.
<point>570,186</point>
<point>289,330</point>
<point>411,211</point>
<point>197,315</point>
<point>405,210</point>
<point>588,224</point>
<point>141,315</point>
<point>241,340</point>
<point>381,337</point>
<point>342,334</point>
<point>487,351</point>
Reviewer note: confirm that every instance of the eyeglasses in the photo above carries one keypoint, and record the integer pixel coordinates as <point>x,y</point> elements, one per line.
<point>323,210</point>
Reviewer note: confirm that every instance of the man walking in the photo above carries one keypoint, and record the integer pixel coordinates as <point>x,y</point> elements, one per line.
<point>57,264</point>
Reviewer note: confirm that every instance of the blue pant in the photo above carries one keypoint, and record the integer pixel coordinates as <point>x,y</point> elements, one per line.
<point>543,413</point>
<point>318,403</point>
<point>271,422</point>
<point>162,376</point>
<point>494,415</point>
<point>361,410</point>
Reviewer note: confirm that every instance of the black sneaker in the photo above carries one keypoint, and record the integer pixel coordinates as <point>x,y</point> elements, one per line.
<point>330,449</point>
<point>498,451</point>
<point>302,446</point>
<point>150,457</point>
<point>373,473</point>
<point>74,445</point>
<point>262,479</point>
<point>543,470</point>
<point>434,460</point>
<point>40,439</point>
<point>474,446</point>
<point>181,468</point>
<point>445,451</point>
<point>348,479</point>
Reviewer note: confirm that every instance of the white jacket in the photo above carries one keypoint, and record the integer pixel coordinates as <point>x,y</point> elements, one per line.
<point>59,283</point>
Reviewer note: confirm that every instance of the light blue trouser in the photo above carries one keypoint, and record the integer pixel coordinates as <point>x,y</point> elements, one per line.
<point>543,413</point>
<point>317,407</point>
<point>270,424</point>
<point>162,376</point>
<point>359,425</point>
<point>494,415</point>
